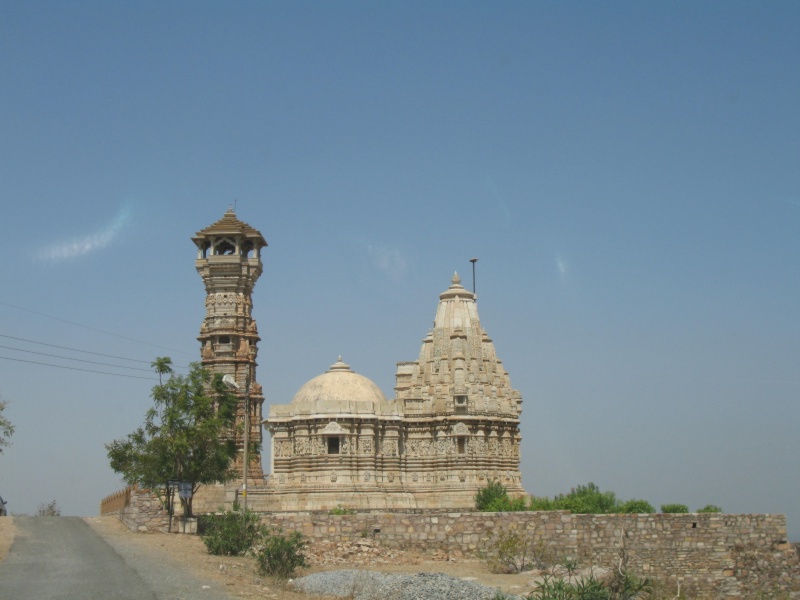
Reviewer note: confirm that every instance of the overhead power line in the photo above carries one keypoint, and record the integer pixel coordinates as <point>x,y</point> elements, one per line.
<point>33,362</point>
<point>138,360</point>
<point>83,360</point>
<point>98,330</point>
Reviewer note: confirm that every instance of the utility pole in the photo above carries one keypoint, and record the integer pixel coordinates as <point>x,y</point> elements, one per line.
<point>246,437</point>
<point>231,383</point>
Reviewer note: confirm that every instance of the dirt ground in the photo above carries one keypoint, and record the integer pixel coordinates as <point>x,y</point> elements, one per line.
<point>6,535</point>
<point>240,577</point>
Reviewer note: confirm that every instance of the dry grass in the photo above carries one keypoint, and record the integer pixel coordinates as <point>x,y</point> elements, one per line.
<point>7,533</point>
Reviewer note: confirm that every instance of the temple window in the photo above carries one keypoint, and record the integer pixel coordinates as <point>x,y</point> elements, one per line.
<point>333,445</point>
<point>224,248</point>
<point>462,445</point>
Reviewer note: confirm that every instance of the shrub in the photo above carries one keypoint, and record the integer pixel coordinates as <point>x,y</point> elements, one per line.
<point>280,555</point>
<point>618,586</point>
<point>541,503</point>
<point>489,493</point>
<point>710,508</point>
<point>51,509</point>
<point>589,588</point>
<point>506,504</point>
<point>588,499</point>
<point>637,507</point>
<point>231,533</point>
<point>516,551</point>
<point>342,510</point>
<point>583,499</point>
<point>623,585</point>
<point>570,566</point>
<point>508,552</point>
<point>674,508</point>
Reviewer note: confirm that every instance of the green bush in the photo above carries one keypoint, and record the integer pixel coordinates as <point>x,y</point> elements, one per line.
<point>623,585</point>
<point>231,533</point>
<point>620,584</point>
<point>674,508</point>
<point>280,555</point>
<point>342,510</point>
<point>541,503</point>
<point>552,588</point>
<point>583,499</point>
<point>506,504</point>
<point>489,493</point>
<point>515,551</point>
<point>710,508</point>
<point>636,507</point>
<point>588,499</point>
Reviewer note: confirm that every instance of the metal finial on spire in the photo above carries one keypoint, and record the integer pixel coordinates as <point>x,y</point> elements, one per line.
<point>473,261</point>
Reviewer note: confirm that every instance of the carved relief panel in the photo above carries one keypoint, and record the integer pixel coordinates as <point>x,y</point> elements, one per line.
<point>365,446</point>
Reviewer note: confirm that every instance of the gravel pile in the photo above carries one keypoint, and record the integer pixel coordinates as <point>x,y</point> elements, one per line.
<point>372,585</point>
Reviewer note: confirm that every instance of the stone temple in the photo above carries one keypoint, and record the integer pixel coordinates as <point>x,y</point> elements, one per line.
<point>452,427</point>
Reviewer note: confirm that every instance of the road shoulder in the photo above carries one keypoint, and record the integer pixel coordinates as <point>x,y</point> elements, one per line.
<point>7,533</point>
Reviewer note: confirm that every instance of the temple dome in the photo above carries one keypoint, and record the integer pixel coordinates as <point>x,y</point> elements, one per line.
<point>339,383</point>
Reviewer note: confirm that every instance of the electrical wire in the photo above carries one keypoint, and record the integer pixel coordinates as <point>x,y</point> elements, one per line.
<point>138,360</point>
<point>33,362</point>
<point>130,339</point>
<point>83,360</point>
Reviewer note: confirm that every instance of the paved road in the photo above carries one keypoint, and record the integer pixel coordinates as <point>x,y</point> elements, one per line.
<point>63,558</point>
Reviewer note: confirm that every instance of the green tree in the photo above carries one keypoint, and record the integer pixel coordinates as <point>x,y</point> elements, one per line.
<point>674,508</point>
<point>163,366</point>
<point>636,507</point>
<point>588,499</point>
<point>506,504</point>
<point>186,434</point>
<point>710,508</point>
<point>541,503</point>
<point>6,428</point>
<point>490,493</point>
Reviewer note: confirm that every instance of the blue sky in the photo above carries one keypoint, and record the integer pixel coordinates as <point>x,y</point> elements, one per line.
<point>626,173</point>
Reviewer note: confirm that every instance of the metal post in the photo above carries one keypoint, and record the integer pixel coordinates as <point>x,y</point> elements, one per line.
<point>246,437</point>
<point>473,261</point>
<point>170,506</point>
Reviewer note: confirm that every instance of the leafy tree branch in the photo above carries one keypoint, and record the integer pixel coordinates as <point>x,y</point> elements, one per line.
<point>187,435</point>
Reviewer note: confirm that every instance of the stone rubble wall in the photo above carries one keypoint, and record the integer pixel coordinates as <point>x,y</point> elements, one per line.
<point>140,510</point>
<point>710,555</point>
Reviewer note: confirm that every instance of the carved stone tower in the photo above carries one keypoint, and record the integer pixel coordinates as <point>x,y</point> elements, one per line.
<point>460,385</point>
<point>229,261</point>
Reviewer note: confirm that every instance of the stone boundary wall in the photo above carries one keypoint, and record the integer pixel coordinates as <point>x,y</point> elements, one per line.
<point>115,502</point>
<point>139,509</point>
<point>710,555</point>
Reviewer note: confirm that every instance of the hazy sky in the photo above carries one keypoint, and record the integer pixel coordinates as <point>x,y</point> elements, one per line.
<point>628,175</point>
